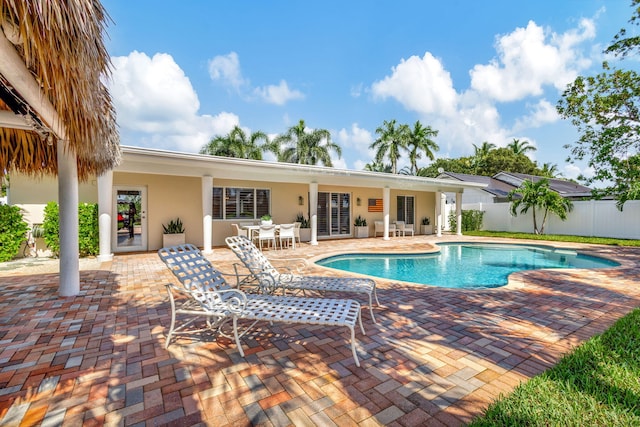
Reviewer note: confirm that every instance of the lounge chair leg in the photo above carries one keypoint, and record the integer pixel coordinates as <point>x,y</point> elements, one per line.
<point>235,334</point>
<point>375,294</point>
<point>173,319</point>
<point>353,345</point>
<point>371,309</point>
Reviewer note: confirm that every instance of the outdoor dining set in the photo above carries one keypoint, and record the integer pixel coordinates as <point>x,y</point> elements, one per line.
<point>271,236</point>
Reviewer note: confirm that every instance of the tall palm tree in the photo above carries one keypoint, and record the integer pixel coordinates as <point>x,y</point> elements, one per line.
<point>307,147</point>
<point>480,153</point>
<point>237,144</point>
<point>538,195</point>
<point>391,139</point>
<point>520,147</point>
<point>419,140</point>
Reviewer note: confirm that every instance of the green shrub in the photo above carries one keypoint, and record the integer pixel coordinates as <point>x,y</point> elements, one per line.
<point>13,231</point>
<point>51,228</point>
<point>471,220</point>
<point>88,230</point>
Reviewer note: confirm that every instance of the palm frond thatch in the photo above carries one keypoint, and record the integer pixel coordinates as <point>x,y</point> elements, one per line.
<point>61,45</point>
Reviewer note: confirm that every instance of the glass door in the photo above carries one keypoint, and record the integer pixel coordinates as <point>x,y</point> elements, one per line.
<point>334,214</point>
<point>130,220</point>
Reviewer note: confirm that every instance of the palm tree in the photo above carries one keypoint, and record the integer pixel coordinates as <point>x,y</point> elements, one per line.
<point>305,147</point>
<point>419,139</point>
<point>520,147</point>
<point>480,153</point>
<point>237,144</point>
<point>389,143</point>
<point>538,195</point>
<point>550,170</point>
<point>378,167</point>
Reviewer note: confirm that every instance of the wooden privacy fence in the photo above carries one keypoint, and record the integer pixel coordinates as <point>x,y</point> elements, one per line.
<point>599,218</point>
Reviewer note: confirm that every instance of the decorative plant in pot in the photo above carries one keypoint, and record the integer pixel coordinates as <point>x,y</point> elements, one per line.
<point>305,227</point>
<point>266,219</point>
<point>425,226</point>
<point>361,228</point>
<point>173,233</point>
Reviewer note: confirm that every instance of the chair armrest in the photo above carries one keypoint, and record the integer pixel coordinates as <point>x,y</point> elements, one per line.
<point>297,265</point>
<point>232,300</point>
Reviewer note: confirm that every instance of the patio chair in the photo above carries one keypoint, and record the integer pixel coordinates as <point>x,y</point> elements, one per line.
<point>205,293</point>
<point>297,231</point>
<point>237,231</point>
<point>269,279</point>
<point>404,228</point>
<point>267,233</point>
<point>287,234</point>
<point>379,228</point>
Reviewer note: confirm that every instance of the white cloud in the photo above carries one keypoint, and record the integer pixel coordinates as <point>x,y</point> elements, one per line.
<point>419,84</point>
<point>156,104</point>
<point>528,59</point>
<point>542,112</point>
<point>226,68</point>
<point>357,141</point>
<point>278,95</point>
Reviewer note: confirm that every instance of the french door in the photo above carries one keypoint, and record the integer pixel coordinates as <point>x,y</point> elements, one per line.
<point>334,214</point>
<point>129,229</point>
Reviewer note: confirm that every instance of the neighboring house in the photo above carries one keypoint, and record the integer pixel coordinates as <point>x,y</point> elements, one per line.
<point>498,186</point>
<point>210,193</point>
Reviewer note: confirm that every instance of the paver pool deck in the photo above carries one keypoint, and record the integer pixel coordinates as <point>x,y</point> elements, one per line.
<point>436,356</point>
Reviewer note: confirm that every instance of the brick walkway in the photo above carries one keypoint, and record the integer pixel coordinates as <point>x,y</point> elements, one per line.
<point>436,357</point>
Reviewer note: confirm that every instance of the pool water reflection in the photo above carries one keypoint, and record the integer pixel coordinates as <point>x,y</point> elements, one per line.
<point>464,265</point>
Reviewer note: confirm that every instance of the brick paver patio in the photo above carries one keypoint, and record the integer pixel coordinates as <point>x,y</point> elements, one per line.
<point>436,357</point>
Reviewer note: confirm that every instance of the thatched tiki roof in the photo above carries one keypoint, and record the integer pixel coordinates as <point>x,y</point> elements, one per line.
<point>58,46</point>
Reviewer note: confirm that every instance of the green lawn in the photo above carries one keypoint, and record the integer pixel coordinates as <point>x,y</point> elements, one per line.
<point>556,237</point>
<point>598,384</point>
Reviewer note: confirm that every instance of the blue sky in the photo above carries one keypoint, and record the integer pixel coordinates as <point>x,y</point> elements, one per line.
<point>475,71</point>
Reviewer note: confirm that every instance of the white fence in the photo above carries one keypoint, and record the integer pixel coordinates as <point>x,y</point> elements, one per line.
<point>599,218</point>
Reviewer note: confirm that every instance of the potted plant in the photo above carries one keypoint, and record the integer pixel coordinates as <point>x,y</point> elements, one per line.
<point>361,228</point>
<point>266,219</point>
<point>425,226</point>
<point>173,233</point>
<point>305,228</point>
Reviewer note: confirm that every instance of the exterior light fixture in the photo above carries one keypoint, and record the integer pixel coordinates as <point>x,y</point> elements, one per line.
<point>300,200</point>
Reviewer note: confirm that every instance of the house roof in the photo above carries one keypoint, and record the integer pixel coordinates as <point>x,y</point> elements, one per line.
<point>162,162</point>
<point>501,183</point>
<point>52,64</point>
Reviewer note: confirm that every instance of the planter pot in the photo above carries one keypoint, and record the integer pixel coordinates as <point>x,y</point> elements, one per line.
<point>362,231</point>
<point>305,234</point>
<point>426,229</point>
<point>172,239</point>
<point>266,222</point>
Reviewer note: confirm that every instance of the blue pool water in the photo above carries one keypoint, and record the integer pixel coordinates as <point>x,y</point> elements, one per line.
<point>464,265</point>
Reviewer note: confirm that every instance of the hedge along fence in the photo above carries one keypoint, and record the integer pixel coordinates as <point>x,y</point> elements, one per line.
<point>471,220</point>
<point>88,231</point>
<point>13,231</point>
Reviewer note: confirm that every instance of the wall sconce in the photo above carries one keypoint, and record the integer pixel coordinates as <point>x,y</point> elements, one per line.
<point>300,200</point>
<point>358,201</point>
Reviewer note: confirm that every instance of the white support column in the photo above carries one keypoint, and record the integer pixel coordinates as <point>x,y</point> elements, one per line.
<point>105,209</point>
<point>438,214</point>
<point>459,214</point>
<point>313,212</point>
<point>207,213</point>
<point>68,217</point>
<point>443,211</point>
<point>386,196</point>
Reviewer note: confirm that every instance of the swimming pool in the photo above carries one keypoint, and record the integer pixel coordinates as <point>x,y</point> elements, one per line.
<point>464,265</point>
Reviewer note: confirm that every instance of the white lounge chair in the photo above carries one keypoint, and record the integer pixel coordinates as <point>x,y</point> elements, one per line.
<point>208,294</point>
<point>269,278</point>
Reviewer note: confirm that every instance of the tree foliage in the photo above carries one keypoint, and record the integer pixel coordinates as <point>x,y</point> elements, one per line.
<point>237,144</point>
<point>538,196</point>
<point>605,109</point>
<point>305,146</point>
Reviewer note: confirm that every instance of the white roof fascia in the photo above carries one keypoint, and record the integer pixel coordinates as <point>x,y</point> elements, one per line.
<point>163,162</point>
